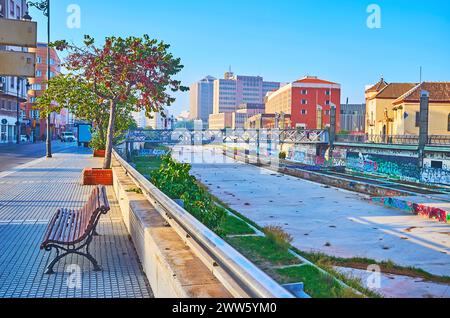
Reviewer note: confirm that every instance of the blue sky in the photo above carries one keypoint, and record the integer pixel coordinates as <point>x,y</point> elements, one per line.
<point>281,40</point>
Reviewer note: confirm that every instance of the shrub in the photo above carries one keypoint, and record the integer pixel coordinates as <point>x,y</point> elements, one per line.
<point>282,155</point>
<point>97,143</point>
<point>278,236</point>
<point>174,179</point>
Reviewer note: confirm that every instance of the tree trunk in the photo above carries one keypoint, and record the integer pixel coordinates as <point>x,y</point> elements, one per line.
<point>110,135</point>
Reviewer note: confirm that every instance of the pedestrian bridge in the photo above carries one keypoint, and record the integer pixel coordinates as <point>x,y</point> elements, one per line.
<point>199,137</point>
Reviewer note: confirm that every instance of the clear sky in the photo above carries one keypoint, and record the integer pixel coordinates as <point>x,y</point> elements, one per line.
<point>281,40</point>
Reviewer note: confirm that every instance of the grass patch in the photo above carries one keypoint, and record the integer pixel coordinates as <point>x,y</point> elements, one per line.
<point>263,251</point>
<point>145,165</point>
<point>278,237</point>
<point>135,190</point>
<point>317,284</point>
<point>234,226</point>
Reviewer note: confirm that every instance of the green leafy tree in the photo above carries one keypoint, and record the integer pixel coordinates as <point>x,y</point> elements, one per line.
<point>74,93</point>
<point>123,72</point>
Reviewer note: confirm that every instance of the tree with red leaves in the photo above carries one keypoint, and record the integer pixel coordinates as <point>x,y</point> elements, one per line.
<point>131,71</point>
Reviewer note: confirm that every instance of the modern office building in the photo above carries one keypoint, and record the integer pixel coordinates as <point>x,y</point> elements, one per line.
<point>353,118</point>
<point>202,99</point>
<point>12,89</point>
<point>307,101</point>
<point>33,124</point>
<point>232,91</point>
<point>244,112</point>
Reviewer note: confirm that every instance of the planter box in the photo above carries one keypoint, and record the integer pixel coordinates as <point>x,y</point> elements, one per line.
<point>99,153</point>
<point>97,177</point>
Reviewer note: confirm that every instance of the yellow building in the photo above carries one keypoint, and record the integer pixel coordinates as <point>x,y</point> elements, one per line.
<point>220,121</point>
<point>406,110</point>
<point>380,108</point>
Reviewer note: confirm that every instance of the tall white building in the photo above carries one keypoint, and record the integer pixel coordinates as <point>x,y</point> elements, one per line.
<point>11,87</point>
<point>157,120</point>
<point>201,99</point>
<point>232,91</point>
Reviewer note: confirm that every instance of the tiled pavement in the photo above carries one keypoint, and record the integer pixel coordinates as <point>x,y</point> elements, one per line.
<point>28,198</point>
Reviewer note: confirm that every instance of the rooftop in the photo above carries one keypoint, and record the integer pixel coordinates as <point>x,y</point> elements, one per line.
<point>439,93</point>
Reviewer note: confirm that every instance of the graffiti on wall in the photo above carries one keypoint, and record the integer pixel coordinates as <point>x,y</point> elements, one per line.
<point>432,212</point>
<point>423,210</point>
<point>306,156</point>
<point>403,168</point>
<point>432,175</point>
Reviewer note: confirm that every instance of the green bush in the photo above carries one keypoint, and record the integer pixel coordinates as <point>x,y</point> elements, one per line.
<point>97,143</point>
<point>173,178</point>
<point>282,155</point>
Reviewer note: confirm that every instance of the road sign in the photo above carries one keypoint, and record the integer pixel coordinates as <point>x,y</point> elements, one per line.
<point>17,64</point>
<point>18,33</point>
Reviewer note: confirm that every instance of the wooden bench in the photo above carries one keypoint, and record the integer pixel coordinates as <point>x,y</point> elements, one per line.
<point>72,231</point>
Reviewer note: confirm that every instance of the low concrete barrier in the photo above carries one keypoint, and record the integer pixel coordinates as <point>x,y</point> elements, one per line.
<point>172,268</point>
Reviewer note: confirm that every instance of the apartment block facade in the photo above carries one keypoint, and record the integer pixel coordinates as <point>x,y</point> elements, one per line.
<point>12,89</point>
<point>307,101</point>
<point>35,126</point>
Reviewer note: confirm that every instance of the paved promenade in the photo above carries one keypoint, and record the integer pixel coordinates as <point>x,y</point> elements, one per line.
<point>29,196</point>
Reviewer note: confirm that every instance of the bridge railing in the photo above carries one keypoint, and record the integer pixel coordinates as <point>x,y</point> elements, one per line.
<point>436,140</point>
<point>186,136</point>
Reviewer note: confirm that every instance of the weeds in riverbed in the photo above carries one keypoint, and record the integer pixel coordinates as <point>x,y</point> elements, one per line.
<point>278,236</point>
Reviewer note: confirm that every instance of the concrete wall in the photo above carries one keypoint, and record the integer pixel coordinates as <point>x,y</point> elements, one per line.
<point>172,268</point>
<point>395,163</point>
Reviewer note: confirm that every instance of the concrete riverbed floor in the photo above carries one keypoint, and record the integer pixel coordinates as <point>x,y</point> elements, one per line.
<point>320,218</point>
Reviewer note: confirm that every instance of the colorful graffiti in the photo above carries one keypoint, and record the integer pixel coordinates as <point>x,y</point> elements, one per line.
<point>403,168</point>
<point>423,210</point>
<point>432,175</point>
<point>432,213</point>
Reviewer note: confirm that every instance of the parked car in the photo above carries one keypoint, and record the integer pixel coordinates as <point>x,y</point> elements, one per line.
<point>68,137</point>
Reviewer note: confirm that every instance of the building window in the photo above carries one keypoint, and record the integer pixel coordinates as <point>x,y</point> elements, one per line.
<point>304,102</point>
<point>448,123</point>
<point>327,102</point>
<point>11,7</point>
<point>436,164</point>
<point>38,60</point>
<point>328,92</point>
<point>327,112</point>
<point>304,92</point>
<point>38,73</point>
<point>304,112</point>
<point>417,119</point>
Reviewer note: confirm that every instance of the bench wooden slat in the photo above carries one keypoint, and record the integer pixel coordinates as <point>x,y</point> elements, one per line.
<point>70,227</point>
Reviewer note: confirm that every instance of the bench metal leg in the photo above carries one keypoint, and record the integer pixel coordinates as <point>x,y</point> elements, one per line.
<point>68,251</point>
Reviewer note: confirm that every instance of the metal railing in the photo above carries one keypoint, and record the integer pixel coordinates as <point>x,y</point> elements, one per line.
<point>439,140</point>
<point>379,139</point>
<point>185,136</point>
<point>250,278</point>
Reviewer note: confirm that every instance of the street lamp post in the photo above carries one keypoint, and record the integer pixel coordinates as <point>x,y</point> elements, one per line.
<point>44,6</point>
<point>18,112</point>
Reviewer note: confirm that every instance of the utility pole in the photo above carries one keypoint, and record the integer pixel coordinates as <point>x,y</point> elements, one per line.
<point>423,124</point>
